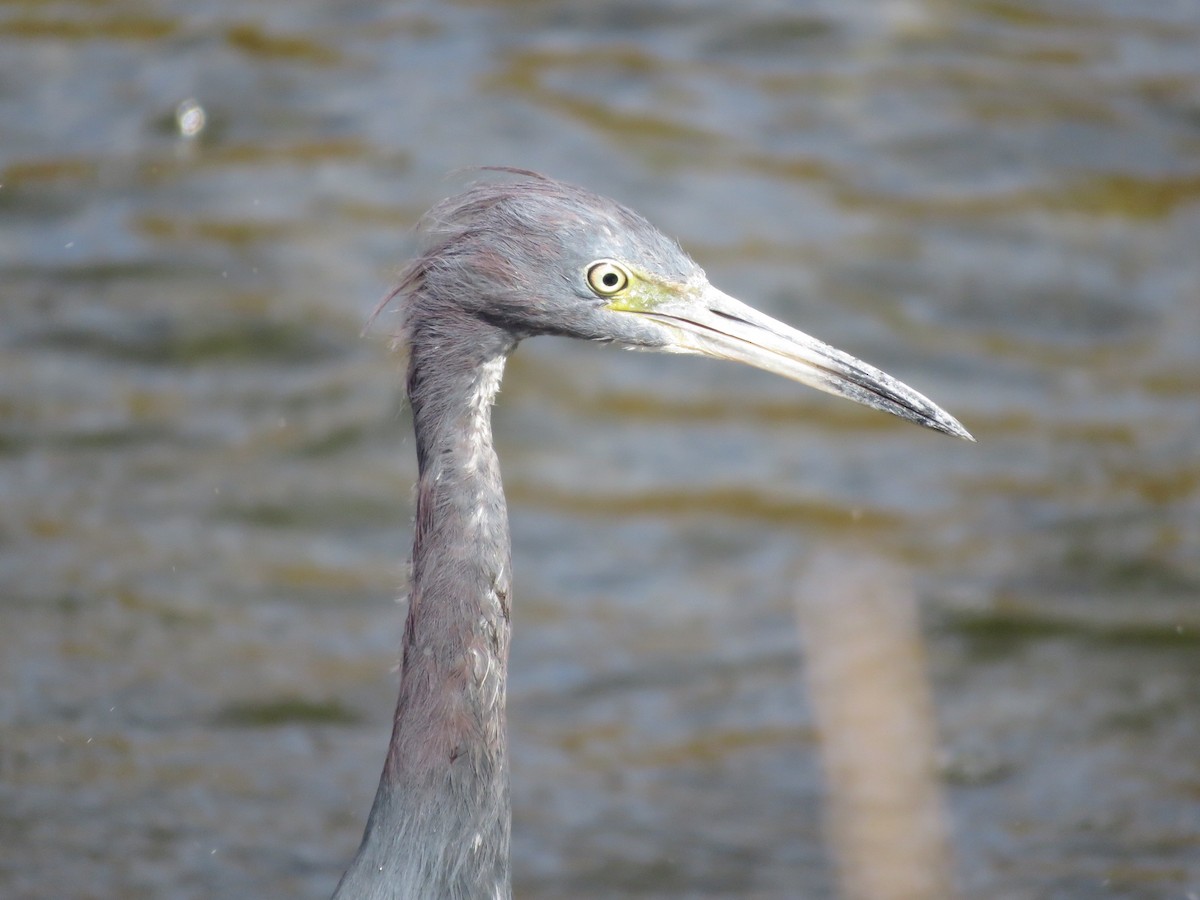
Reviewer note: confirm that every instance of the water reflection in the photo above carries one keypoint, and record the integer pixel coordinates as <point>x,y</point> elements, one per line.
<point>865,669</point>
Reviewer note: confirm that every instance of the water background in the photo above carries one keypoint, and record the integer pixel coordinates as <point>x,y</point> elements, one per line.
<point>205,470</point>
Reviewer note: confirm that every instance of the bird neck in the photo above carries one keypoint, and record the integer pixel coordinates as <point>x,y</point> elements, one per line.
<point>440,823</point>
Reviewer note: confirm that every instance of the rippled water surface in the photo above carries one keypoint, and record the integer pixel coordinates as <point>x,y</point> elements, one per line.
<point>205,470</point>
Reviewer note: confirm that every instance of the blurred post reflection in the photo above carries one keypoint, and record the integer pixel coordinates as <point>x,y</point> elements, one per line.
<point>864,666</point>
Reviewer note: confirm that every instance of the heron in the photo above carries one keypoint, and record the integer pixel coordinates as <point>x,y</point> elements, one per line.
<point>514,257</point>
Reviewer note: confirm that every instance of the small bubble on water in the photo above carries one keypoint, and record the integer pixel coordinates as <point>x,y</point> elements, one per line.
<point>190,118</point>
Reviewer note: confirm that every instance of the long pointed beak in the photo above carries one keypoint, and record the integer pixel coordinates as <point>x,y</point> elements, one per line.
<point>717,325</point>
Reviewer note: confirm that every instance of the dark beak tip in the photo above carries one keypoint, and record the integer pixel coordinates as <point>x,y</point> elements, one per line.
<point>955,429</point>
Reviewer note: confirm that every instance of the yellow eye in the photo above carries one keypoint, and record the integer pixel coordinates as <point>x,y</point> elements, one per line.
<point>607,277</point>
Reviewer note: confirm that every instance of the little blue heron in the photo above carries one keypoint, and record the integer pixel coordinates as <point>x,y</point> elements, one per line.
<point>507,260</point>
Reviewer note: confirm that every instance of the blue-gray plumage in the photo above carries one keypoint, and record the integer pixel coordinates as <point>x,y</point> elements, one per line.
<point>507,260</point>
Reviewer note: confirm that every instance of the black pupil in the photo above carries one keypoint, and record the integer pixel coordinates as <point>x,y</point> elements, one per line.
<point>610,279</point>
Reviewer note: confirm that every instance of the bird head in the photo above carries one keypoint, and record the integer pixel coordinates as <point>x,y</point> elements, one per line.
<point>536,256</point>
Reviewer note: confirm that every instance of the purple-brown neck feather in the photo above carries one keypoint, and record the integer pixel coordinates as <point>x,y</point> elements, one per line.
<point>440,823</point>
